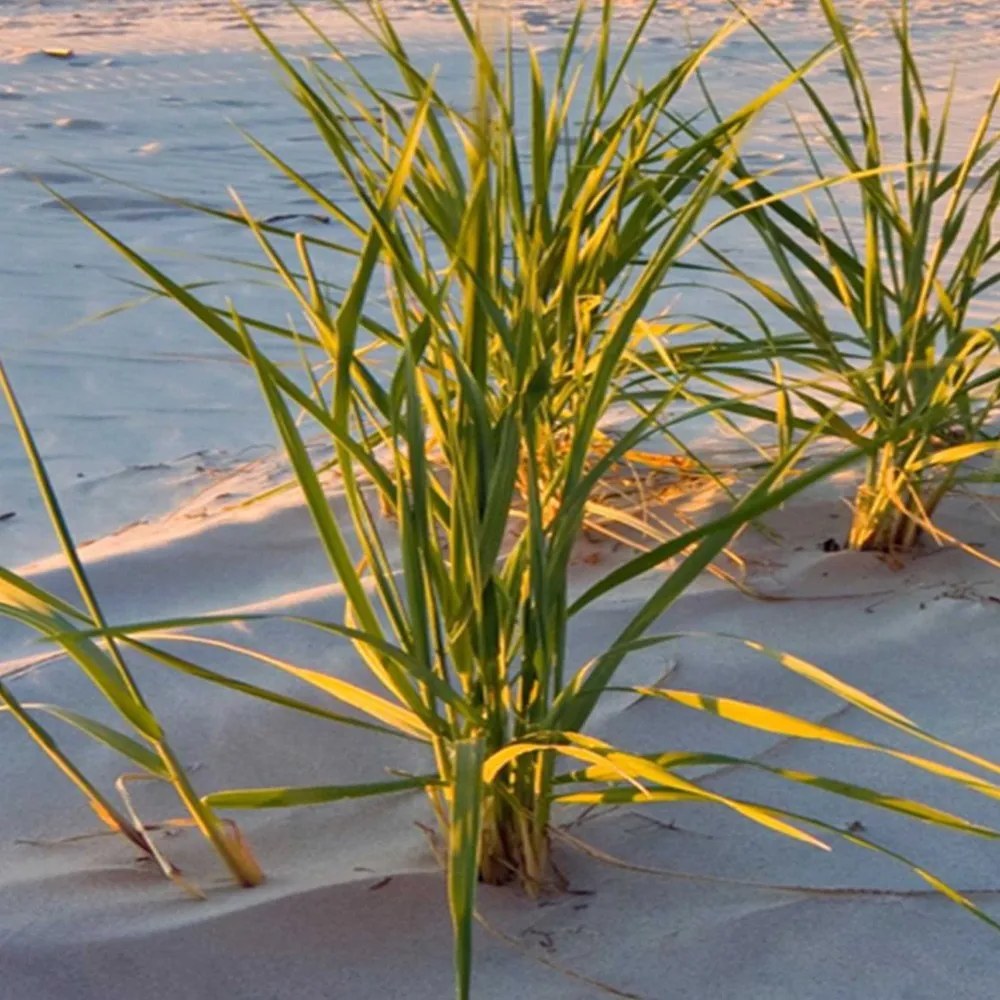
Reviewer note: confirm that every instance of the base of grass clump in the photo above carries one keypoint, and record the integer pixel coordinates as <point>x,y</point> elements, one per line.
<point>515,848</point>
<point>894,507</point>
<point>880,526</point>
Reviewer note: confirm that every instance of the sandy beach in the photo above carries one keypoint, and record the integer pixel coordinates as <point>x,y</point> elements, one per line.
<point>154,436</point>
<point>354,903</point>
<point>142,103</point>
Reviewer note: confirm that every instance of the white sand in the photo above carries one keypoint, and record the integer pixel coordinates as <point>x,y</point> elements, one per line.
<point>82,919</point>
<point>144,409</point>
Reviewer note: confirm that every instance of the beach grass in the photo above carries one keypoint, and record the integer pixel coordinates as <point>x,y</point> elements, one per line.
<point>106,668</point>
<point>506,254</point>
<point>888,281</point>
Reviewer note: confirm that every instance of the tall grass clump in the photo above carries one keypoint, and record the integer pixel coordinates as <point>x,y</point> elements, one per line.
<point>885,285</point>
<point>517,277</point>
<point>506,255</point>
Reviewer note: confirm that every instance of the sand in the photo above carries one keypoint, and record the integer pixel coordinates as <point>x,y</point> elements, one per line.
<point>141,410</point>
<point>354,905</point>
<point>153,436</point>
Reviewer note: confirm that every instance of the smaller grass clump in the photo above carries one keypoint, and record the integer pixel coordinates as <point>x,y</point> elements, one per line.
<point>889,288</point>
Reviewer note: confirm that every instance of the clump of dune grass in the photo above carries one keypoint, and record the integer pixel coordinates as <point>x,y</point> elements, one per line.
<point>889,285</point>
<point>501,306</point>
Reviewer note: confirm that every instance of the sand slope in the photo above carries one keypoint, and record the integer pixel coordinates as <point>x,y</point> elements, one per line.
<point>143,419</point>
<point>82,918</point>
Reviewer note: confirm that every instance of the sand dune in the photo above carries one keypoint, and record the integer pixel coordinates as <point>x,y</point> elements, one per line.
<point>734,914</point>
<point>154,436</point>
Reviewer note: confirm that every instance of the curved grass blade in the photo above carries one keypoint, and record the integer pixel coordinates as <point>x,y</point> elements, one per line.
<point>288,797</point>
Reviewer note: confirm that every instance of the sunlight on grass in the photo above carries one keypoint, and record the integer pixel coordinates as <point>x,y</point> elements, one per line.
<point>505,257</point>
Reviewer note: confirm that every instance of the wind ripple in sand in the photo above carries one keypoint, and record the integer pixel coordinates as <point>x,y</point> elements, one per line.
<point>115,410</point>
<point>119,206</point>
<point>47,176</point>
